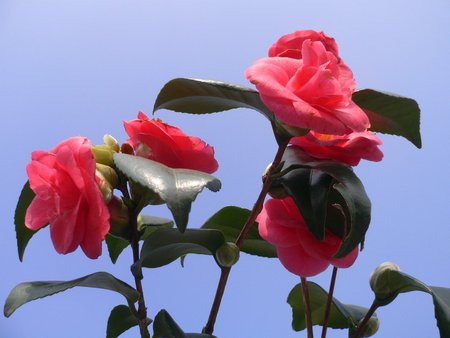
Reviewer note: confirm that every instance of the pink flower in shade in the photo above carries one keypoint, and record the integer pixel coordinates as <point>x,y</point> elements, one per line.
<point>281,224</point>
<point>68,197</point>
<point>166,144</point>
<point>314,92</point>
<point>290,45</point>
<point>348,149</point>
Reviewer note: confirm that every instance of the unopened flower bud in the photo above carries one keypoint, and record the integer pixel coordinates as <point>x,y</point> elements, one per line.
<point>111,142</point>
<point>104,184</point>
<point>227,255</point>
<point>107,173</point>
<point>118,218</point>
<point>371,327</point>
<point>380,280</point>
<point>103,154</point>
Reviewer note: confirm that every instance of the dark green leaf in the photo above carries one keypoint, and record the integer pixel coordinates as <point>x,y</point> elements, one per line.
<point>177,187</point>
<point>115,246</point>
<point>398,282</point>
<point>230,221</point>
<point>391,114</point>
<point>166,245</point>
<point>166,327</point>
<point>149,224</point>
<point>23,234</point>
<point>198,96</point>
<point>26,292</point>
<point>120,320</point>
<point>342,316</point>
<point>316,186</point>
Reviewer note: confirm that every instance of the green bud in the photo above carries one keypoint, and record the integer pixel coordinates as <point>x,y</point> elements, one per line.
<point>105,186</point>
<point>227,255</point>
<point>107,173</point>
<point>111,142</point>
<point>371,327</point>
<point>103,154</point>
<point>379,281</point>
<point>118,218</point>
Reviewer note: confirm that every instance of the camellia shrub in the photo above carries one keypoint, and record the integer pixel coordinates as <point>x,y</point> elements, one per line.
<point>312,211</point>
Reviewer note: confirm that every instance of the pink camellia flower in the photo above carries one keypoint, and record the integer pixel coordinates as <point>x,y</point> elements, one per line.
<point>314,92</point>
<point>68,197</point>
<point>290,45</point>
<point>281,224</point>
<point>348,149</point>
<point>166,144</point>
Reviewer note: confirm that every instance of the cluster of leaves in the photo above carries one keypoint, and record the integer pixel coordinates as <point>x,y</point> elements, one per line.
<point>329,196</point>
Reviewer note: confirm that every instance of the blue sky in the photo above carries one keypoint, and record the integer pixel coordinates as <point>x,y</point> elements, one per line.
<point>82,67</point>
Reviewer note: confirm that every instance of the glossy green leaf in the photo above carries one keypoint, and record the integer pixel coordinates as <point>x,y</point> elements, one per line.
<point>198,96</point>
<point>165,326</point>
<point>115,246</point>
<point>177,187</point>
<point>316,186</point>
<point>147,225</point>
<point>342,316</point>
<point>230,221</point>
<point>398,282</point>
<point>391,114</point>
<point>23,234</point>
<point>166,245</point>
<point>29,291</point>
<point>120,320</point>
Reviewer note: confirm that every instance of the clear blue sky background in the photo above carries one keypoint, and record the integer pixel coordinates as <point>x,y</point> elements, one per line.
<point>82,67</point>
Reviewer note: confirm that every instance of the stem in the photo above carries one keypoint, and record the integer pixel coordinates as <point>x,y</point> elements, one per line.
<point>257,207</point>
<point>307,307</point>
<point>329,300</point>
<point>142,309</point>
<point>209,327</point>
<point>364,322</point>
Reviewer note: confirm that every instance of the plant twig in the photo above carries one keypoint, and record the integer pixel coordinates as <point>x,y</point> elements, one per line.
<point>209,327</point>
<point>307,306</point>
<point>142,309</point>
<point>363,323</point>
<point>326,317</point>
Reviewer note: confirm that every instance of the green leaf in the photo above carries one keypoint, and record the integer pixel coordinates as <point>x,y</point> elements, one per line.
<point>166,245</point>
<point>166,327</point>
<point>23,234</point>
<point>115,246</point>
<point>342,316</point>
<point>198,96</point>
<point>398,282</point>
<point>230,221</point>
<point>147,225</point>
<point>177,187</point>
<point>391,114</point>
<point>120,320</point>
<point>316,186</point>
<point>26,292</point>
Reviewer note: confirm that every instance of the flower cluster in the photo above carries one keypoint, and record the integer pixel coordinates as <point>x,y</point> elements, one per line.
<point>73,191</point>
<point>307,85</point>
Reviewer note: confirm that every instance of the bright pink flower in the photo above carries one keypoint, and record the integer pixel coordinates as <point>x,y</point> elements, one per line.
<point>348,149</point>
<point>290,45</point>
<point>68,197</point>
<point>281,224</point>
<point>166,144</point>
<point>314,92</point>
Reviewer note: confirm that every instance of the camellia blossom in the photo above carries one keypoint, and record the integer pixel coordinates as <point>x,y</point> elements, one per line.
<point>281,224</point>
<point>166,144</point>
<point>312,92</point>
<point>348,149</point>
<point>290,45</point>
<point>68,197</point>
